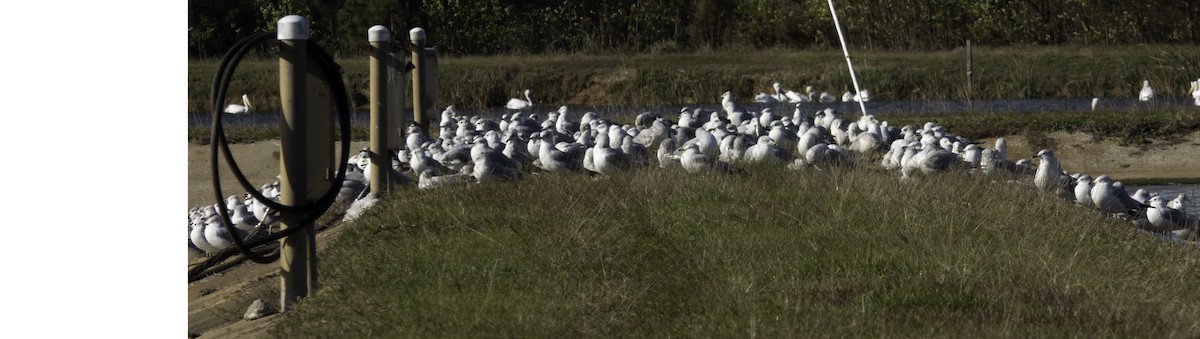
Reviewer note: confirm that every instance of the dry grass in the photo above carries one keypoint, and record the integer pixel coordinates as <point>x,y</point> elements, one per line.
<point>773,253</point>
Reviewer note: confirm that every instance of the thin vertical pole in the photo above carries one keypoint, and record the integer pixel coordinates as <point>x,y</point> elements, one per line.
<point>846,51</point>
<point>381,160</point>
<point>296,279</point>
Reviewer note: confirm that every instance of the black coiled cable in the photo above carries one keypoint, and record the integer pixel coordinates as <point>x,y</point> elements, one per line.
<point>309,212</point>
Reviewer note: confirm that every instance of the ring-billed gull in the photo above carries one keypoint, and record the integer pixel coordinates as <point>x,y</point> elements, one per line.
<point>1050,176</point>
<point>1109,199</point>
<point>1083,191</point>
<point>1180,202</point>
<point>1169,219</point>
<point>765,150</point>
<point>552,159</point>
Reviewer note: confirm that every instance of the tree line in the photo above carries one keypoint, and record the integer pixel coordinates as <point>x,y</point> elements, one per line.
<point>484,27</point>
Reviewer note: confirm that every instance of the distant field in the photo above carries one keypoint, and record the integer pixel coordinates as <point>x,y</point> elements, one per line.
<point>665,79</point>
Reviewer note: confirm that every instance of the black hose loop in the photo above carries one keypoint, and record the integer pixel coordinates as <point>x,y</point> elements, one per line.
<point>308,213</point>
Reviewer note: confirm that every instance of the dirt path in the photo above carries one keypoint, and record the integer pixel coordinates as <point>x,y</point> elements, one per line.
<point>216,303</point>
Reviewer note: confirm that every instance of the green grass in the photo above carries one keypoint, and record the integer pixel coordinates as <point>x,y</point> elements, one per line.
<point>700,77</point>
<point>775,253</point>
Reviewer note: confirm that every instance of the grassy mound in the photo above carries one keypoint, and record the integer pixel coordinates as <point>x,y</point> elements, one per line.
<point>773,253</point>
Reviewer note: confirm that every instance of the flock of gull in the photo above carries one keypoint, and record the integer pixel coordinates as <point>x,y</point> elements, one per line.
<point>477,149</point>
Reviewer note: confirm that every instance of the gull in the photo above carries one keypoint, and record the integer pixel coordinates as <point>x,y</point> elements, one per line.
<point>706,142</point>
<point>972,154</point>
<point>607,160</point>
<point>449,117</point>
<point>796,98</point>
<point>487,169</point>
<point>1050,176</point>
<point>354,184</point>
<point>765,150</point>
<point>361,205</point>
<point>241,218</point>
<point>655,134</point>
<point>891,159</point>
<point>638,153</point>
<point>766,117</point>
<point>1083,191</point>
<point>196,235</point>
<point>420,161</point>
<point>1001,149</point>
<point>666,154</point>
<point>862,96</point>
<point>733,147</point>
<point>426,180</point>
<point>696,162</point>
<point>552,159</point>
<point>239,109</point>
<point>930,160</point>
<point>215,232</point>
<point>1142,196</point>
<point>828,156</point>
<point>784,137</point>
<point>1109,199</point>
<point>1169,219</point>
<point>564,124</point>
<point>645,119</point>
<point>868,142</point>
<point>193,251</point>
<point>516,149</point>
<point>730,106</point>
<point>827,98</point>
<point>1180,202</point>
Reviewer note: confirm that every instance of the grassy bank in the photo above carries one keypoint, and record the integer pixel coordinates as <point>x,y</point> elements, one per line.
<point>665,79</point>
<point>774,253</point>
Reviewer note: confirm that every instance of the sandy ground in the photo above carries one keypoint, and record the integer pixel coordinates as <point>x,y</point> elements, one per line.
<point>216,303</point>
<point>1079,152</point>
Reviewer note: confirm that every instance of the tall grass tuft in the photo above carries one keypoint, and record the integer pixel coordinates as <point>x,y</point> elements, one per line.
<point>771,253</point>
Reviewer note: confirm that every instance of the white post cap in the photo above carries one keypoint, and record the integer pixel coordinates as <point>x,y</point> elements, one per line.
<point>378,33</point>
<point>293,27</point>
<point>416,34</point>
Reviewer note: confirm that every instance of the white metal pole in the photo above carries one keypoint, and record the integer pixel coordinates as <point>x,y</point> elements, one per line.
<point>845,51</point>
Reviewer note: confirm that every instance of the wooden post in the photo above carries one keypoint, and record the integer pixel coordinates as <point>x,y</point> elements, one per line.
<point>295,270</point>
<point>417,36</point>
<point>381,159</point>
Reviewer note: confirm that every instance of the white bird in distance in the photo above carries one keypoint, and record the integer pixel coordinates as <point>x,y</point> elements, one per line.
<point>239,109</point>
